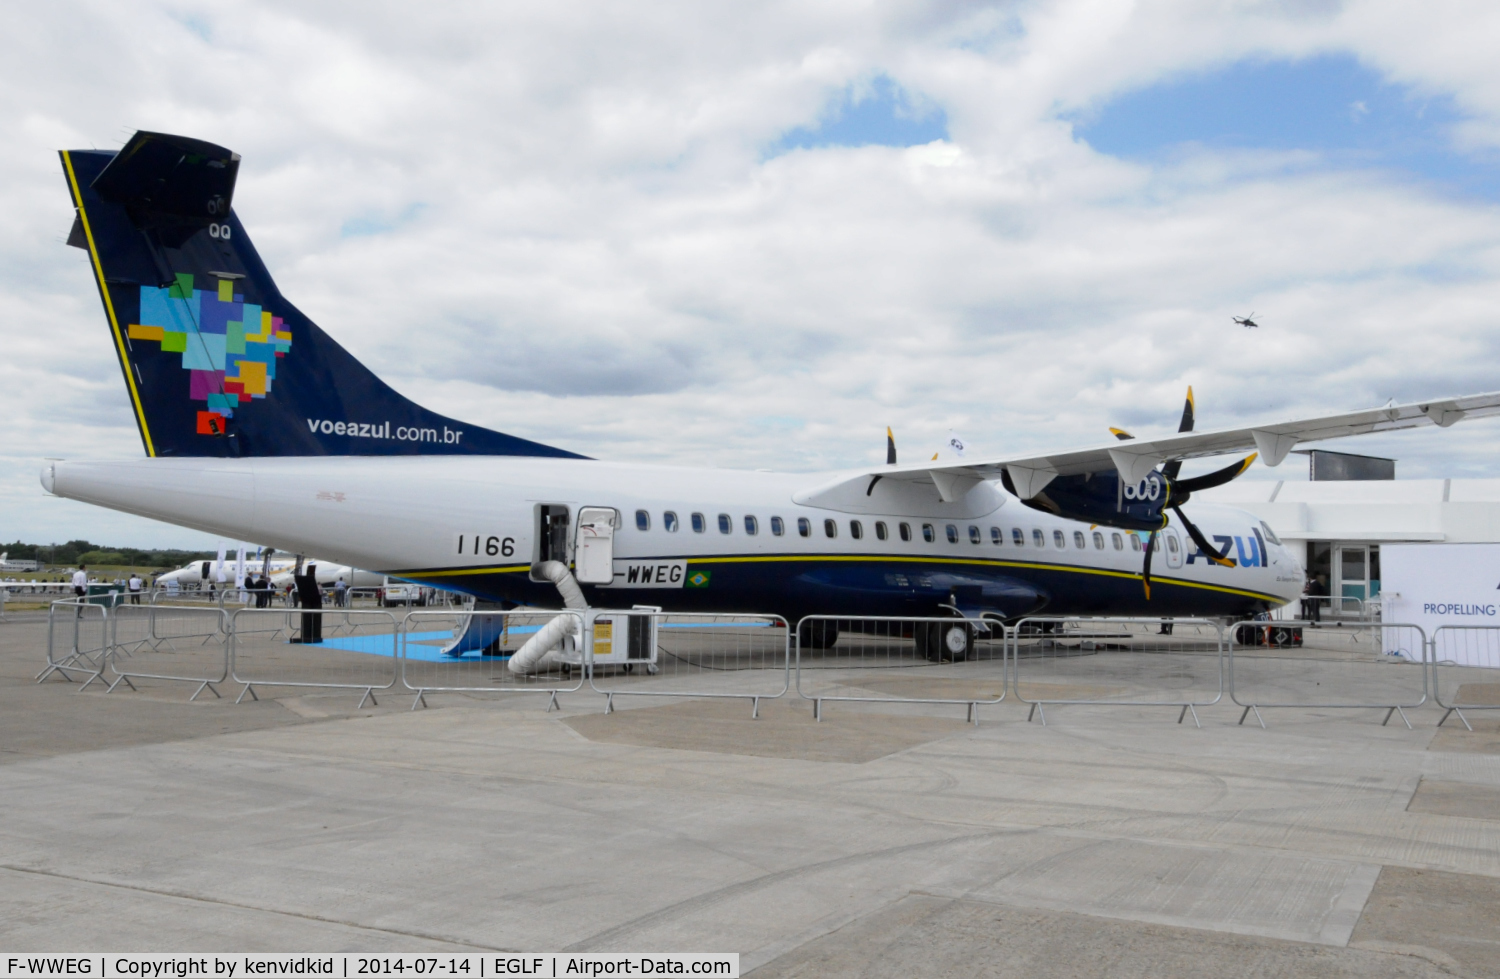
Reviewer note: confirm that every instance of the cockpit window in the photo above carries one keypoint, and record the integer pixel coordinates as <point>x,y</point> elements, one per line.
<point>1265,528</point>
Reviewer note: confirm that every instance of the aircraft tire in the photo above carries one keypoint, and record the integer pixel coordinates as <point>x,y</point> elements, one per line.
<point>942,641</point>
<point>821,634</point>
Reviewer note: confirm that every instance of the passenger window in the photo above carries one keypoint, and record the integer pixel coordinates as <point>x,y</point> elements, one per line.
<point>1135,543</point>
<point>1078,539</point>
<point>1038,538</point>
<point>996,535</point>
<point>804,527</point>
<point>880,532</point>
<point>752,526</point>
<point>856,529</point>
<point>642,520</point>
<point>830,528</point>
<point>1118,541</point>
<point>699,524</point>
<point>777,527</point>
<point>725,524</point>
<point>1172,546</point>
<point>927,533</point>
<point>906,531</point>
<point>975,537</point>
<point>1059,539</point>
<point>952,534</point>
<point>1098,541</point>
<point>1018,536</point>
<point>669,521</point>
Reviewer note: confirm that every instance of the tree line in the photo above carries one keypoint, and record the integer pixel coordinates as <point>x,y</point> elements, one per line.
<point>76,552</point>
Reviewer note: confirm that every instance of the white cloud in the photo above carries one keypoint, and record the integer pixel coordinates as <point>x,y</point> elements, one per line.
<point>569,231</point>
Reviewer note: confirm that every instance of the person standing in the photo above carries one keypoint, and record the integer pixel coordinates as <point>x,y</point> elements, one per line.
<point>134,586</point>
<point>1315,592</point>
<point>340,593</point>
<point>81,581</point>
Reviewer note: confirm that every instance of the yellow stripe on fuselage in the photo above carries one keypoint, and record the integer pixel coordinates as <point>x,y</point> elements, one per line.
<point>109,306</point>
<point>872,558</point>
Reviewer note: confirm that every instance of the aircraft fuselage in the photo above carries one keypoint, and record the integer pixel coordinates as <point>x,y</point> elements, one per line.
<point>709,539</point>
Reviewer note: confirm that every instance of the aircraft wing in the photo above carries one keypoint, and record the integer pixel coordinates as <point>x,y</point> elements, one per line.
<point>1135,458</point>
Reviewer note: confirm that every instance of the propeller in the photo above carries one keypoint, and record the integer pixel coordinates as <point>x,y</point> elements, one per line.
<point>890,459</point>
<point>1182,490</point>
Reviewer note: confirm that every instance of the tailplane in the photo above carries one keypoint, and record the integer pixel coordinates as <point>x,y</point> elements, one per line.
<point>216,361</point>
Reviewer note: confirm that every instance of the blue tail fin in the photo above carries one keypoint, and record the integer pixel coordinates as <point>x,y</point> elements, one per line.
<point>217,363</point>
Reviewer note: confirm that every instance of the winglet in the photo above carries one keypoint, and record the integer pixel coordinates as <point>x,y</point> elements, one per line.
<point>890,447</point>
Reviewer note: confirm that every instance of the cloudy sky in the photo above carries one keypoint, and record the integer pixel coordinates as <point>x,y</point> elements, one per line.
<point>753,235</point>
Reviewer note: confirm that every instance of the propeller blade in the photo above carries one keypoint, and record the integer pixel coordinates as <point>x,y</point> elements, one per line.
<point>1121,434</point>
<point>1182,488</point>
<point>1189,415</point>
<point>1209,551</point>
<point>890,447</point>
<point>1186,425</point>
<point>1146,571</point>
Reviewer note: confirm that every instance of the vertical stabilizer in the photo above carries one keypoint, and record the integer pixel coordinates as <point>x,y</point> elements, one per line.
<point>216,361</point>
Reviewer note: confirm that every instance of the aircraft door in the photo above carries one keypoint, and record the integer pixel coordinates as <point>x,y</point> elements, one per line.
<point>553,542</point>
<point>595,549</point>
<point>1172,547</point>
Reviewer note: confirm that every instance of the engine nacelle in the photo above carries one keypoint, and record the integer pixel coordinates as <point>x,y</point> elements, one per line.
<point>1104,498</point>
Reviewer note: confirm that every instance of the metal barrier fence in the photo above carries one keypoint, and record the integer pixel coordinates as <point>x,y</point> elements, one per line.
<point>900,660</point>
<point>1465,669</point>
<point>1334,607</point>
<point>77,640</point>
<point>1347,665</point>
<point>358,651</point>
<point>454,651</point>
<point>163,642</point>
<point>1118,662</point>
<point>648,653</point>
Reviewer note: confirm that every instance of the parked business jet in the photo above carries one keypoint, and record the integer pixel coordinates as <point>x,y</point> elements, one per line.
<point>258,426</point>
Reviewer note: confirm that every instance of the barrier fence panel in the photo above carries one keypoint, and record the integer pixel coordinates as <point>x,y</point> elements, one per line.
<point>1121,662</point>
<point>455,651</point>
<point>189,644</point>
<point>900,660</point>
<point>647,653</point>
<point>337,649</point>
<point>77,641</point>
<point>1332,608</point>
<point>1347,665</point>
<point>1465,669</point>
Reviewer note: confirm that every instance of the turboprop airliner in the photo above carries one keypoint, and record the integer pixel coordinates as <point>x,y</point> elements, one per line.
<point>257,425</point>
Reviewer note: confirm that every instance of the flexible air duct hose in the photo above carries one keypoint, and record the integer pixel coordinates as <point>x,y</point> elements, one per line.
<point>540,647</point>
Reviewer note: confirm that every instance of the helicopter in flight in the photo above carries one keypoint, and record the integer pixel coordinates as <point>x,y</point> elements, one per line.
<point>1246,321</point>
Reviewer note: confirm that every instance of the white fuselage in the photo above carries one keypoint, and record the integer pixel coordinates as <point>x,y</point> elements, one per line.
<point>471,523</point>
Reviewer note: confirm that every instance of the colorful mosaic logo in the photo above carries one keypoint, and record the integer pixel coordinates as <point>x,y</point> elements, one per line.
<point>229,346</point>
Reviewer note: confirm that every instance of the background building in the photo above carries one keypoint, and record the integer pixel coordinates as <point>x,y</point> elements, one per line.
<point>1350,505</point>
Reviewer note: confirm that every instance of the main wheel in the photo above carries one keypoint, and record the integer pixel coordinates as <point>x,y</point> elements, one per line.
<point>940,641</point>
<point>819,634</point>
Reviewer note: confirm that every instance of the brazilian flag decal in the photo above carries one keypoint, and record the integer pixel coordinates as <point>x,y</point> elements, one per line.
<point>698,579</point>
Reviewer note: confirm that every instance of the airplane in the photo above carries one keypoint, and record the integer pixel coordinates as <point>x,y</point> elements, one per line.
<point>197,574</point>
<point>257,425</point>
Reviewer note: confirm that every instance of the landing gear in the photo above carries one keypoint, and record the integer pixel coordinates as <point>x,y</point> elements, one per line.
<point>940,641</point>
<point>820,634</point>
